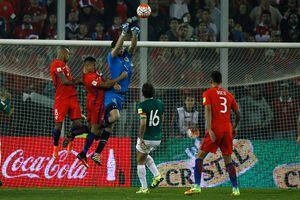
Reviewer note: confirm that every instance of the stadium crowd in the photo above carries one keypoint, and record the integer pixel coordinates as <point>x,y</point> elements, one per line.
<point>173,20</point>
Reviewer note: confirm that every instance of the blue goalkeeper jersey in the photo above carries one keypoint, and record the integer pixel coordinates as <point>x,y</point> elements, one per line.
<point>120,64</point>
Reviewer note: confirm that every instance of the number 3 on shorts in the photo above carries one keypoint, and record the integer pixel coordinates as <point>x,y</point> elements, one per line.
<point>224,104</point>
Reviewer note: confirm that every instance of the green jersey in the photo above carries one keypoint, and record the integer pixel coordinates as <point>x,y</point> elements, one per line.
<point>154,110</point>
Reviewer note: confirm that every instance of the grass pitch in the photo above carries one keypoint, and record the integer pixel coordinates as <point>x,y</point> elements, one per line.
<point>156,194</point>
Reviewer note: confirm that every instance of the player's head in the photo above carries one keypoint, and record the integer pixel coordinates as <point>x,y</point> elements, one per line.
<point>64,54</point>
<point>121,51</point>
<point>148,90</point>
<point>216,78</point>
<point>89,64</point>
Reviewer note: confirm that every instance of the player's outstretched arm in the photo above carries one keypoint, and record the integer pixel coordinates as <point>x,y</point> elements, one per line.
<point>208,118</point>
<point>135,34</point>
<point>119,45</point>
<point>143,122</point>
<point>109,83</point>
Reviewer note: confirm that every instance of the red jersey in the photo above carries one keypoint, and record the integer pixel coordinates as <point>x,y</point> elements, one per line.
<point>92,82</point>
<point>61,91</point>
<point>36,11</point>
<point>221,102</point>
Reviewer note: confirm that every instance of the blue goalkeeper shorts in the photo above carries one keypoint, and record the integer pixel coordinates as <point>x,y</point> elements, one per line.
<point>113,101</point>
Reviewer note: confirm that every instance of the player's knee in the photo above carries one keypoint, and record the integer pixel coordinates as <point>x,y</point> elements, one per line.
<point>114,116</point>
<point>58,126</point>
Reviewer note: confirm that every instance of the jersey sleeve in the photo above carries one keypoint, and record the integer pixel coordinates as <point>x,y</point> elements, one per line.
<point>58,67</point>
<point>206,99</point>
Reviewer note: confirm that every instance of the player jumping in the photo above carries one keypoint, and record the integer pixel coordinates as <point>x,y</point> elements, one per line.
<point>95,85</point>
<point>119,60</point>
<point>151,116</point>
<point>218,103</point>
<point>66,101</point>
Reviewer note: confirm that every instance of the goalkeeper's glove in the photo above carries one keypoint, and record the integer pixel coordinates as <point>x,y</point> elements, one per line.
<point>135,30</point>
<point>125,28</point>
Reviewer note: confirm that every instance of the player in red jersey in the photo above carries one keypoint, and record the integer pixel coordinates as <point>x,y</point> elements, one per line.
<point>218,104</point>
<point>66,101</point>
<point>95,86</point>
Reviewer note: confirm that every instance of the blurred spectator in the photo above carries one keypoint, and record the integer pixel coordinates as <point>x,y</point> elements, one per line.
<point>285,109</point>
<point>178,8</point>
<point>235,32</point>
<point>207,20</point>
<point>121,10</point>
<point>50,31</point>
<point>195,5</point>
<point>182,33</point>
<point>83,32</point>
<point>72,27</point>
<point>263,30</point>
<point>256,13</point>
<point>275,36</point>
<point>290,27</point>
<point>157,22</point>
<point>205,33</point>
<point>242,17</point>
<point>3,33</point>
<point>187,118</point>
<point>99,33</point>
<point>256,114</point>
<point>215,13</point>
<point>187,20</point>
<point>172,33</point>
<point>25,30</point>
<point>8,13</point>
<point>38,14</point>
<point>98,6</point>
<point>17,6</point>
<point>115,29</point>
<point>86,15</point>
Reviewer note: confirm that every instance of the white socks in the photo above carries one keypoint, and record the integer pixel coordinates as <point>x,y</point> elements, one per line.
<point>141,171</point>
<point>151,165</point>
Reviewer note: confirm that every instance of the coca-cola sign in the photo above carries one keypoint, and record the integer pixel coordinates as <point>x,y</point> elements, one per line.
<point>27,162</point>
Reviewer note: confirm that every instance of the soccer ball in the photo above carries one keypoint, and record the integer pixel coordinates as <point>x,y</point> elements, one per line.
<point>143,11</point>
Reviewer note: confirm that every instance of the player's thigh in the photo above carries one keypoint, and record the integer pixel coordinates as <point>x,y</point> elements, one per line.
<point>141,158</point>
<point>97,114</point>
<point>226,144</point>
<point>208,145</point>
<point>75,110</point>
<point>148,146</point>
<point>60,110</point>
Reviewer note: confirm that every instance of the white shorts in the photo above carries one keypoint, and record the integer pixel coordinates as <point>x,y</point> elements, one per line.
<point>149,146</point>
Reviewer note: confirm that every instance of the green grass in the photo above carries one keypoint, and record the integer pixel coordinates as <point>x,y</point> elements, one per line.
<point>129,193</point>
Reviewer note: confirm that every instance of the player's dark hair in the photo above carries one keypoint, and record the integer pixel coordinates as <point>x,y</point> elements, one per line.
<point>148,90</point>
<point>216,77</point>
<point>89,59</point>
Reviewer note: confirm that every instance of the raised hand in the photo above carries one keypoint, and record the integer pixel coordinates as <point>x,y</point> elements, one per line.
<point>135,30</point>
<point>125,28</point>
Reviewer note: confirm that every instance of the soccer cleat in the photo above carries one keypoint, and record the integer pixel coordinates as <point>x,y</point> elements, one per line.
<point>143,191</point>
<point>96,158</point>
<point>156,181</point>
<point>55,152</point>
<point>195,189</point>
<point>67,140</point>
<point>235,192</point>
<point>82,157</point>
<point>70,147</point>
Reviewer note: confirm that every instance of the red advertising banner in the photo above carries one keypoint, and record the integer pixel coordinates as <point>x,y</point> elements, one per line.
<point>27,162</point>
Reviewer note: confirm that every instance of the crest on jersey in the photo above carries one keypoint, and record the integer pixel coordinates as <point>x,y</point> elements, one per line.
<point>94,83</point>
<point>126,59</point>
<point>204,100</point>
<point>58,69</point>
